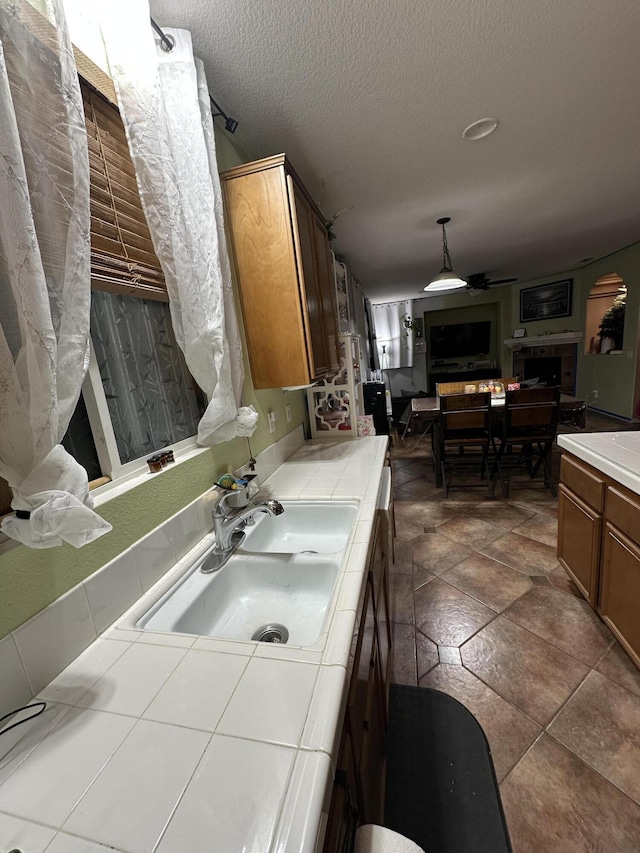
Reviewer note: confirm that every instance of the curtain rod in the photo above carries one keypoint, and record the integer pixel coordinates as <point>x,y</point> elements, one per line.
<point>167,43</point>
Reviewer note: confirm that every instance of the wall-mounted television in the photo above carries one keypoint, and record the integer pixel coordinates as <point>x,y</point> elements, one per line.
<point>460,339</point>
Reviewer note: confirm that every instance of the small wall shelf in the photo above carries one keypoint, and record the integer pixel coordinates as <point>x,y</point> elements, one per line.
<point>335,403</point>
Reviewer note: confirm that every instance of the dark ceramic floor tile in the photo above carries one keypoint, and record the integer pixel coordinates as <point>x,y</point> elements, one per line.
<point>403,664</point>
<point>525,555</point>
<point>421,577</point>
<point>472,532</point>
<point>427,654</point>
<point>492,583</point>
<point>423,513</point>
<point>542,528</point>
<point>403,564</point>
<point>436,553</point>
<point>561,580</point>
<point>501,513</point>
<point>540,580</point>
<point>530,673</point>
<point>448,616</point>
<point>556,804</point>
<point>617,665</point>
<point>538,497</point>
<point>402,609</point>
<point>405,475</point>
<point>509,732</point>
<point>566,622</point>
<point>420,488</point>
<point>450,655</point>
<point>600,723</point>
<point>407,531</point>
<point>537,507</point>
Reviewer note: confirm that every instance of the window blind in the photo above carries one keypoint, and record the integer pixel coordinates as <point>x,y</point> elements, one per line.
<point>122,256</point>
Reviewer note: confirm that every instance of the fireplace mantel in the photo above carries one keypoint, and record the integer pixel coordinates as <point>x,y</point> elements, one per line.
<point>536,340</point>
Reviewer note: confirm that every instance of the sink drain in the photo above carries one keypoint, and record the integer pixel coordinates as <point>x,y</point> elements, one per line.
<point>273,632</point>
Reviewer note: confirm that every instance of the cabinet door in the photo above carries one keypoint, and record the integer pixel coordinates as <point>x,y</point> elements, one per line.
<point>326,292</point>
<point>343,812</point>
<point>371,771</point>
<point>620,589</point>
<point>579,535</point>
<point>358,700</point>
<point>312,306</point>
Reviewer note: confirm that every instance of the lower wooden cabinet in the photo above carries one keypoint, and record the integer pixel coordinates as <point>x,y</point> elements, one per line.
<point>620,589</point>
<point>599,546</point>
<point>359,785</point>
<point>579,537</point>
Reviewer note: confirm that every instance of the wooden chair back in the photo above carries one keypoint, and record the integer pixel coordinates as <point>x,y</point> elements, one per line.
<point>465,413</point>
<point>534,408</point>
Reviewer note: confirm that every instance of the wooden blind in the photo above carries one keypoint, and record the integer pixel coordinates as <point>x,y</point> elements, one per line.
<point>122,256</point>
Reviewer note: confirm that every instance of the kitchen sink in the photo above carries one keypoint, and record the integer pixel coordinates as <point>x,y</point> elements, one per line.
<point>283,575</point>
<point>319,526</point>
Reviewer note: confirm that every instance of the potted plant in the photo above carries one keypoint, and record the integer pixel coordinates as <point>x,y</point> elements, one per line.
<point>612,325</point>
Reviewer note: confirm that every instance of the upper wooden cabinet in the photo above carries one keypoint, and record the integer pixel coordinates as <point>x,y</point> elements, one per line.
<point>281,252</point>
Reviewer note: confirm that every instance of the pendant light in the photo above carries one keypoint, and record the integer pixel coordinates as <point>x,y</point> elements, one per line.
<point>446,278</point>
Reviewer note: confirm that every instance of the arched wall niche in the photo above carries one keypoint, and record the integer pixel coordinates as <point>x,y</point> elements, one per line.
<point>601,298</point>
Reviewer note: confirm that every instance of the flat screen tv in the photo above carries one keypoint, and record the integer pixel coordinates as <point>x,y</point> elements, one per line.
<point>460,339</point>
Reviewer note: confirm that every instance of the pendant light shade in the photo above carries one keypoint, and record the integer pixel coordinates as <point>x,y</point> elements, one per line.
<point>446,278</point>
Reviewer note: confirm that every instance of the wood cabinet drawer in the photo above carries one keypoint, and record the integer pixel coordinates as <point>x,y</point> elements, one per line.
<point>587,483</point>
<point>620,589</point>
<point>623,513</point>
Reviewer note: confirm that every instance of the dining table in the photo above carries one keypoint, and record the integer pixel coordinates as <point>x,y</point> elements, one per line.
<point>423,413</point>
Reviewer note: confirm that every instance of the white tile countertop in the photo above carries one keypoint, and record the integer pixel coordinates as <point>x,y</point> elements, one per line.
<point>159,743</point>
<point>616,454</point>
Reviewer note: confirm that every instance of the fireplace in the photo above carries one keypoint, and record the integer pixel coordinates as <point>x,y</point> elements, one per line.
<point>548,368</point>
<point>555,364</point>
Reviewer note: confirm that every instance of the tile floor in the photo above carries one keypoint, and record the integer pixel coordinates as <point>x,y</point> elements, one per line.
<point>484,612</point>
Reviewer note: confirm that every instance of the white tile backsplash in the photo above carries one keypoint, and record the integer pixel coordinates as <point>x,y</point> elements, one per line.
<point>15,687</point>
<point>186,529</point>
<point>55,636</point>
<point>113,589</point>
<point>154,554</point>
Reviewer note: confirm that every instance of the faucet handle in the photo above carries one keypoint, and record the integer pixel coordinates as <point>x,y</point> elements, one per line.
<point>220,508</point>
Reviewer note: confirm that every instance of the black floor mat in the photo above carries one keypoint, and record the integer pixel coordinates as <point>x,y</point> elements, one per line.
<point>442,791</point>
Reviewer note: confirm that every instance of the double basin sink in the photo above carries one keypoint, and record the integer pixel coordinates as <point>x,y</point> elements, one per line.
<point>276,587</point>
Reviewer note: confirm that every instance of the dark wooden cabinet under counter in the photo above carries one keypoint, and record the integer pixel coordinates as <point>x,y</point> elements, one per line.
<point>599,546</point>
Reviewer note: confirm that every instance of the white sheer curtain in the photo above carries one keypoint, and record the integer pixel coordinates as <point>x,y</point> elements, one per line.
<point>390,332</point>
<point>171,143</point>
<point>44,277</point>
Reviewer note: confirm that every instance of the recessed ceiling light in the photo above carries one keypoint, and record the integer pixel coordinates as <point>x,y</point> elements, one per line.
<point>481,128</point>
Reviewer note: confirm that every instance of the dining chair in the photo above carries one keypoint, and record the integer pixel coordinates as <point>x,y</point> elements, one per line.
<point>530,423</point>
<point>465,423</point>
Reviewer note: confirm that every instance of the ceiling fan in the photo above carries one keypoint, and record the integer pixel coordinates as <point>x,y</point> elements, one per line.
<point>481,281</point>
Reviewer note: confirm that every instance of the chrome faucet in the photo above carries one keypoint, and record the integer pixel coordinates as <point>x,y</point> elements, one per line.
<point>227,527</point>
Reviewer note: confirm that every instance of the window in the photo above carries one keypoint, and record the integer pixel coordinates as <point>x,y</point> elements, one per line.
<point>138,396</point>
<point>139,392</point>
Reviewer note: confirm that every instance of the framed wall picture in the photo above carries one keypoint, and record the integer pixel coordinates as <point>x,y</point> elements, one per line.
<point>546,301</point>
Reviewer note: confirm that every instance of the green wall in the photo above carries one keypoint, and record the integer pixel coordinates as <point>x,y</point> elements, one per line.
<point>30,580</point>
<point>612,376</point>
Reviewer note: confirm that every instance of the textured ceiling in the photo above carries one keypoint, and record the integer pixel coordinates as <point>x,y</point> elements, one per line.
<point>369,98</point>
